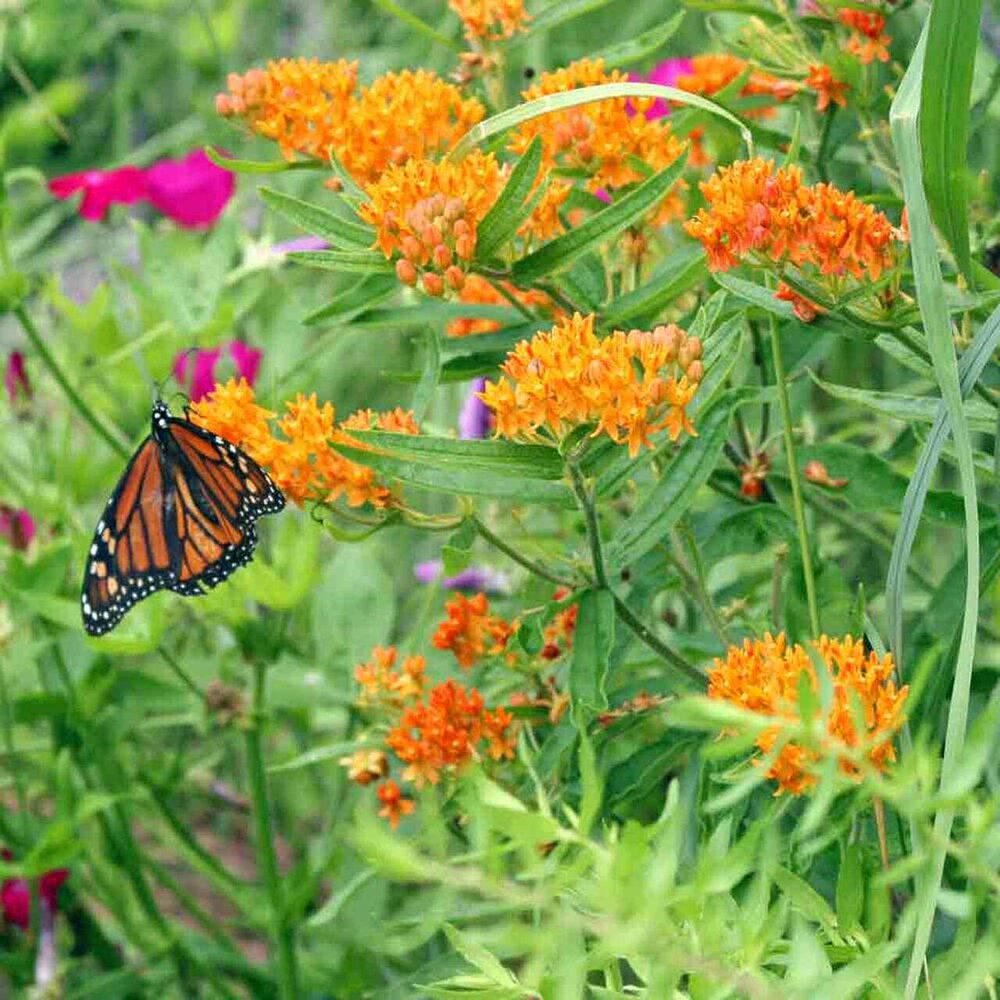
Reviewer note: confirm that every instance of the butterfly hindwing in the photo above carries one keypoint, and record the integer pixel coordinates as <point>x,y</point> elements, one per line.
<point>182,517</point>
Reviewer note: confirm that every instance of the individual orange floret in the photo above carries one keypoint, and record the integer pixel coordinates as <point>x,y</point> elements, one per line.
<point>470,631</point>
<point>630,385</point>
<point>413,114</point>
<point>399,421</point>
<point>365,766</point>
<point>803,308</point>
<point>299,103</point>
<point>478,291</point>
<point>381,683</point>
<point>558,634</point>
<point>426,214</point>
<point>763,676</point>
<point>756,209</point>
<point>299,458</point>
<point>713,72</point>
<point>491,20</point>
<point>600,138</point>
<point>394,804</point>
<point>829,90</point>
<point>868,40</point>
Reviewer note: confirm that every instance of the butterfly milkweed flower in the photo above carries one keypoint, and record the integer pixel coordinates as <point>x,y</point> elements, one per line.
<point>491,20</point>
<point>381,683</point>
<point>477,290</point>
<point>300,457</point>
<point>300,104</point>
<point>395,805</point>
<point>829,90</point>
<point>766,214</point>
<point>198,376</point>
<point>470,632</point>
<point>868,40</point>
<point>713,72</point>
<point>630,385</point>
<point>602,138</point>
<point>763,676</point>
<point>443,732</point>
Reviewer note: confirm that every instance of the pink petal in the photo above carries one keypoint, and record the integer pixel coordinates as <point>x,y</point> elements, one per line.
<point>666,74</point>
<point>193,191</point>
<point>203,377</point>
<point>15,378</point>
<point>50,884</point>
<point>15,902</point>
<point>247,360</point>
<point>101,188</point>
<point>17,526</point>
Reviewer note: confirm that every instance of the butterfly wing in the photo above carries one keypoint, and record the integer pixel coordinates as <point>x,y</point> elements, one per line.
<point>130,556</point>
<point>182,517</point>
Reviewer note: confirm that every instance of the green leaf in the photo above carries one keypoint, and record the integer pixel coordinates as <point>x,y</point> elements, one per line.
<point>851,887</point>
<point>338,232</point>
<point>683,269</point>
<point>590,781</point>
<point>355,299</point>
<point>424,393</point>
<point>634,49</point>
<point>592,643</point>
<point>945,87</point>
<point>13,289</point>
<point>687,472</point>
<point>347,261</point>
<point>804,898</point>
<point>557,12</point>
<point>318,755</point>
<point>563,250</point>
<point>508,213</point>
<point>476,955</point>
<point>235,166</point>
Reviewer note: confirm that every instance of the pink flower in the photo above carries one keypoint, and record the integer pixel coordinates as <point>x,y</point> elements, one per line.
<point>17,526</point>
<point>299,244</point>
<point>193,191</point>
<point>666,74</point>
<point>101,189</point>
<point>15,378</point>
<point>202,381</point>
<point>15,894</point>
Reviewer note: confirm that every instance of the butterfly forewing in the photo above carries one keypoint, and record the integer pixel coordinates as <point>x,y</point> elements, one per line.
<point>181,517</point>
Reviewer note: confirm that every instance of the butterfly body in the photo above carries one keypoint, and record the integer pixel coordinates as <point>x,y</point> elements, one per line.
<point>182,517</point>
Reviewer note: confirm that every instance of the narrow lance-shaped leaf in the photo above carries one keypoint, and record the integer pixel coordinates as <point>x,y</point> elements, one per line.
<point>502,221</point>
<point>623,53</point>
<point>338,232</point>
<point>593,640</point>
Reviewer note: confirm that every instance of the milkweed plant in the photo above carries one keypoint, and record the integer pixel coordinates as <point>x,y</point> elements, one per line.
<point>629,374</point>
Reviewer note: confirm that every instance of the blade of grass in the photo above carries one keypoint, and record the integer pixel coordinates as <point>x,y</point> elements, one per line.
<point>904,120</point>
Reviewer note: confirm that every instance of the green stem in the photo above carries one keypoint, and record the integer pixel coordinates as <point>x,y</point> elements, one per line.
<point>824,142</point>
<point>529,564</point>
<point>57,373</point>
<point>793,478</point>
<point>701,581</point>
<point>635,624</point>
<point>282,936</point>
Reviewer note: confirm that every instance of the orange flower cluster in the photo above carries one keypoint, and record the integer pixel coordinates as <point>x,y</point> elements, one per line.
<point>428,214</point>
<point>599,138</point>
<point>763,676</point>
<point>478,291</point>
<point>567,376</point>
<point>470,631</point>
<point>754,208</point>
<point>301,460</point>
<point>301,104</point>
<point>365,766</point>
<point>868,40</point>
<point>314,109</point>
<point>713,72</point>
<point>491,20</point>
<point>381,684</point>
<point>829,90</point>
<point>558,634</point>
<point>443,733</point>
<point>394,804</point>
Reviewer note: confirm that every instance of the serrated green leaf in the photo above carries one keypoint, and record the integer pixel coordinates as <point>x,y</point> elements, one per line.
<point>562,251</point>
<point>338,232</point>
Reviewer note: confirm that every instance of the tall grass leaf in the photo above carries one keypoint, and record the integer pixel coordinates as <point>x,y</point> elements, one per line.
<point>946,85</point>
<point>904,125</point>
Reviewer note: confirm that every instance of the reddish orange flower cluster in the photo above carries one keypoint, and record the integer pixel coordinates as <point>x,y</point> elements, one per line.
<point>600,138</point>
<point>757,210</point>
<point>443,733</point>
<point>365,766</point>
<point>491,20</point>
<point>470,631</point>
<point>763,676</point>
<point>380,683</point>
<point>558,634</point>
<point>713,72</point>
<point>300,458</point>
<point>478,291</point>
<point>394,804</point>
<point>829,90</point>
<point>567,376</point>
<point>314,109</point>
<point>868,40</point>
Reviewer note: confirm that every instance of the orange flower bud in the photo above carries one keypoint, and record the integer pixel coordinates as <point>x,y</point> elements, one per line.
<point>695,371</point>
<point>465,247</point>
<point>433,284</point>
<point>406,272</point>
<point>412,250</point>
<point>455,277</point>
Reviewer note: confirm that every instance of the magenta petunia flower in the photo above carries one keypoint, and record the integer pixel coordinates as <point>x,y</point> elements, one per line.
<point>15,377</point>
<point>475,419</point>
<point>666,74</point>
<point>193,191</point>
<point>202,373</point>
<point>17,526</point>
<point>101,189</point>
<point>473,579</point>
<point>15,894</point>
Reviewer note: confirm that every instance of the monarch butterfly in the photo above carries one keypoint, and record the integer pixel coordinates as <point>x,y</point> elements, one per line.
<point>182,517</point>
